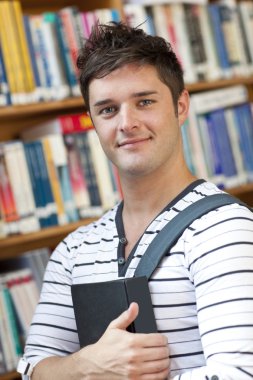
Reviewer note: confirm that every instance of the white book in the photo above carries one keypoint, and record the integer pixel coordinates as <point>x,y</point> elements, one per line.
<point>190,75</point>
<point>21,186</point>
<point>60,86</point>
<point>197,147</point>
<point>102,171</point>
<point>7,345</point>
<point>234,39</point>
<point>213,71</point>
<point>224,97</point>
<point>246,12</point>
<point>235,145</point>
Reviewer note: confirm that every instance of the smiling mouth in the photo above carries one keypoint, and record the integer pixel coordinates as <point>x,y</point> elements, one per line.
<point>133,142</point>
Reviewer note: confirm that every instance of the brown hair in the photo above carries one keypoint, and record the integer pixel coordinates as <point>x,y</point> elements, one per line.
<point>113,45</point>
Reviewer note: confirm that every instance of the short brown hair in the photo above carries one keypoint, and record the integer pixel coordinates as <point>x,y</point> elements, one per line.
<point>111,46</point>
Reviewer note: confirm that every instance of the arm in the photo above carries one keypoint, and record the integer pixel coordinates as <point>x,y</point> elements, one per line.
<point>220,263</point>
<point>117,355</point>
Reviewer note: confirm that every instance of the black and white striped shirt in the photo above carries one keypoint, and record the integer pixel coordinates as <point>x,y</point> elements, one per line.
<point>202,291</point>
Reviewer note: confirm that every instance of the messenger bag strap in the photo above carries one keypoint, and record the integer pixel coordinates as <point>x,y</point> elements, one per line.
<point>168,236</point>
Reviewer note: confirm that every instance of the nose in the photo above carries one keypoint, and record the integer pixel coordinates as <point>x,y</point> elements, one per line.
<point>128,119</point>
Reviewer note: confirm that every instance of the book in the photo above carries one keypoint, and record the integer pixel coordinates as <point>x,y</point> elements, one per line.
<point>23,51</point>
<point>214,71</point>
<point>38,92</point>
<point>235,145</point>
<point>5,334</point>
<point>197,47</point>
<point>102,171</point>
<point>9,211</point>
<point>97,304</point>
<point>244,122</point>
<point>43,182</point>
<point>20,182</point>
<point>245,9</point>
<point>59,83</point>
<point>233,38</point>
<point>214,14</point>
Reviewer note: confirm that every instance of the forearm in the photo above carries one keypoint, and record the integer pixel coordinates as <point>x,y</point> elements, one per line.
<point>71,367</point>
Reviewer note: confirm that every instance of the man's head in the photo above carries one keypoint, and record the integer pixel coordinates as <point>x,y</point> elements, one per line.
<point>114,45</point>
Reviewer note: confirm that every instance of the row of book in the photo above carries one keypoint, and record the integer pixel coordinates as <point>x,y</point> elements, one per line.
<point>54,176</point>
<point>20,283</point>
<point>218,136</point>
<point>212,40</point>
<point>38,52</point>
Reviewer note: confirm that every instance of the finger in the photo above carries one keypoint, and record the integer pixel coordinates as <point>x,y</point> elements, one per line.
<point>153,353</point>
<point>151,340</point>
<point>126,318</point>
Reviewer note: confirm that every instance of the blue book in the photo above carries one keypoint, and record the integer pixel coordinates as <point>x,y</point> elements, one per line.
<point>45,183</point>
<point>244,124</point>
<point>36,182</point>
<point>223,143</point>
<point>4,86</point>
<point>67,193</point>
<point>214,14</point>
<point>32,56</point>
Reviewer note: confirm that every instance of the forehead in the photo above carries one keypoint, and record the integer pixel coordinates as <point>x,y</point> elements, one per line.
<point>126,79</point>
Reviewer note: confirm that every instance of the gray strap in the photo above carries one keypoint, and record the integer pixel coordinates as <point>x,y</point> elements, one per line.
<point>167,237</point>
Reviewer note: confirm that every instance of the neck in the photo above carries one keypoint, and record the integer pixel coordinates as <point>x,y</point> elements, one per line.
<point>148,196</point>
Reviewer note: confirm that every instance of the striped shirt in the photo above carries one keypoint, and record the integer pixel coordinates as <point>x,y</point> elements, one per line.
<point>202,291</point>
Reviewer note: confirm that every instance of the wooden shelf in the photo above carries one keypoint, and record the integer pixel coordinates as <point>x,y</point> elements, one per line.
<point>11,376</point>
<point>212,85</point>
<point>13,246</point>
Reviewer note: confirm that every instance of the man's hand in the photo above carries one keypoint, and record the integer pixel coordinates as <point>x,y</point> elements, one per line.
<point>122,355</point>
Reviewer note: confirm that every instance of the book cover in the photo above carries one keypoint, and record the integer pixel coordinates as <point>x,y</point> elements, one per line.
<point>97,304</point>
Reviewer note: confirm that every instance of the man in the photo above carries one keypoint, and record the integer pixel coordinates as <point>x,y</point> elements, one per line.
<point>202,290</point>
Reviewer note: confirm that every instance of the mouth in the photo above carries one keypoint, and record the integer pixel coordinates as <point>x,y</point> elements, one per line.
<point>132,142</point>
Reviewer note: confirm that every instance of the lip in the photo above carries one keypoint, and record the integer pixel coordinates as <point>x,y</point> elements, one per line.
<point>132,142</point>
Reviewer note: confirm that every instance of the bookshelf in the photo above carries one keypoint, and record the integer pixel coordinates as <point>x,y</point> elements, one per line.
<point>15,119</point>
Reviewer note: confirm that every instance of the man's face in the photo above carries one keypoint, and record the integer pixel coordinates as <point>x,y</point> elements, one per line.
<point>135,119</point>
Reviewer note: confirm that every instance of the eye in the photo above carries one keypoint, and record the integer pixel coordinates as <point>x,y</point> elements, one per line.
<point>107,110</point>
<point>146,102</point>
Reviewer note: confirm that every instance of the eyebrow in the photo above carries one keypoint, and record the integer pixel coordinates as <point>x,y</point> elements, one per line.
<point>103,102</point>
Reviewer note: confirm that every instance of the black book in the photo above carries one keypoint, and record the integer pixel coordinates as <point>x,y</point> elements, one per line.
<point>97,304</point>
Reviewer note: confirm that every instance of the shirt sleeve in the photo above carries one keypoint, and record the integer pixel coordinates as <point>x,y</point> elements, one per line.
<point>220,263</point>
<point>53,329</point>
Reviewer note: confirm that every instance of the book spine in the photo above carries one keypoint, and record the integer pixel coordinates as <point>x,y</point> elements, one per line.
<point>54,181</point>
<point>49,202</point>
<point>38,93</point>
<point>10,53</point>
<point>198,53</point>
<point>213,10</point>
<point>75,123</point>
<point>102,171</point>
<point>4,86</point>
<point>54,56</point>
<point>32,163</point>
<point>77,178</point>
<point>66,54</point>
<point>23,51</point>
<point>19,179</point>
<point>9,210</point>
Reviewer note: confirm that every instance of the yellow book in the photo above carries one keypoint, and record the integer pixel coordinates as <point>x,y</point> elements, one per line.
<point>13,61</point>
<point>54,180</point>
<point>7,51</point>
<point>23,47</point>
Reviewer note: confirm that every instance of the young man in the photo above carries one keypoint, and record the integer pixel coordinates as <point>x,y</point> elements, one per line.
<point>202,291</point>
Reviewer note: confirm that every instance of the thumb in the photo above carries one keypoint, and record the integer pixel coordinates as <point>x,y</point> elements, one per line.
<point>126,318</point>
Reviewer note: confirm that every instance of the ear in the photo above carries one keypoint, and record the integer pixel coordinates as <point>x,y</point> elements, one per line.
<point>183,106</point>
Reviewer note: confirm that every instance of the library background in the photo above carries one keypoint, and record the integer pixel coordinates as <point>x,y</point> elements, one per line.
<point>54,175</point>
